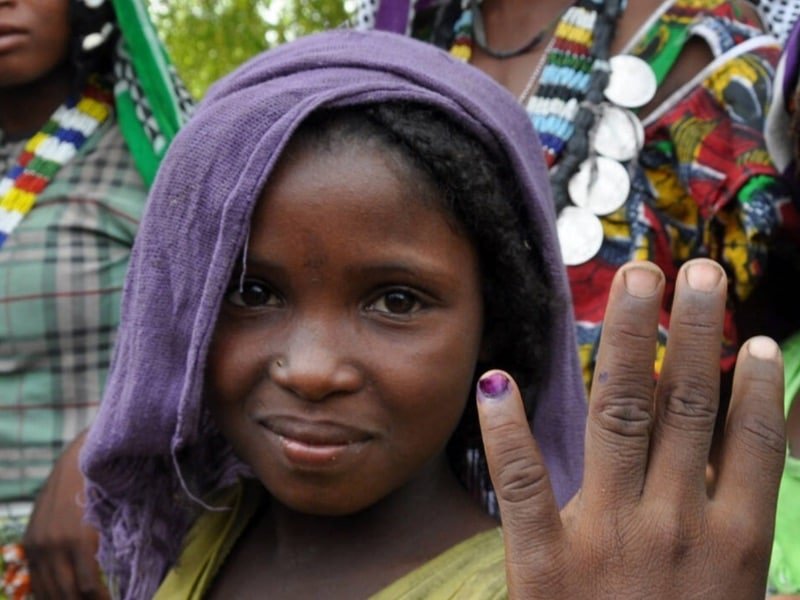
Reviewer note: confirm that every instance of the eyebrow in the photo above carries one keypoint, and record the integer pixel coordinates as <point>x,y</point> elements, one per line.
<point>423,270</point>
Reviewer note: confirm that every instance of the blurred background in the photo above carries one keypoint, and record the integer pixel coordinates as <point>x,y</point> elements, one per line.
<point>209,38</point>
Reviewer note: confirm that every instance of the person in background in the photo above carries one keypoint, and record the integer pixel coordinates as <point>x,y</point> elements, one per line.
<point>88,105</point>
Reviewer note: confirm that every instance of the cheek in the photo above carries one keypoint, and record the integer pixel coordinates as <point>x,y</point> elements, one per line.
<point>53,34</point>
<point>231,365</point>
<point>438,384</point>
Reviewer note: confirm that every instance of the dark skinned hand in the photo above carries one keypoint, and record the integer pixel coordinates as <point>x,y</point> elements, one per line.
<point>643,524</point>
<point>59,545</point>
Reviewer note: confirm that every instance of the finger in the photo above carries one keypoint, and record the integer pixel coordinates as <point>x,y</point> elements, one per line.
<point>621,402</point>
<point>531,522</point>
<point>687,394</point>
<point>753,446</point>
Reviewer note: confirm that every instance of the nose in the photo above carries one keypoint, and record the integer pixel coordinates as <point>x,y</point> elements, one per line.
<point>316,364</point>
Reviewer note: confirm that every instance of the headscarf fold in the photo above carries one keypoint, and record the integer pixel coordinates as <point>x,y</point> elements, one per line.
<point>153,445</point>
<point>779,128</point>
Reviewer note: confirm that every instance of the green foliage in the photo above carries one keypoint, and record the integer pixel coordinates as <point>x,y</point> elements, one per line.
<point>209,38</point>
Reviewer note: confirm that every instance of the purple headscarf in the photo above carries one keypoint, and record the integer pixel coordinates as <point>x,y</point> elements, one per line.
<point>778,130</point>
<point>152,449</point>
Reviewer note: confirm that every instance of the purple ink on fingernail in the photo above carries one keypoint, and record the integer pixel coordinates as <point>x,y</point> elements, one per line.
<point>493,386</point>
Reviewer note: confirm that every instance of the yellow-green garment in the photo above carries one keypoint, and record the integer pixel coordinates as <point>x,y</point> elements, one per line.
<point>784,570</point>
<point>473,569</point>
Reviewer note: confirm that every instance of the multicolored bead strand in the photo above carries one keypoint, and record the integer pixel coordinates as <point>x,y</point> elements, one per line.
<point>49,150</point>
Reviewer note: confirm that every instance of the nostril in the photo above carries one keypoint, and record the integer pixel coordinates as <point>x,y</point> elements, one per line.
<point>314,378</point>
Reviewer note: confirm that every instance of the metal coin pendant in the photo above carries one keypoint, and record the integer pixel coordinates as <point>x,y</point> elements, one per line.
<point>580,235</point>
<point>619,133</point>
<point>632,82</point>
<point>601,185</point>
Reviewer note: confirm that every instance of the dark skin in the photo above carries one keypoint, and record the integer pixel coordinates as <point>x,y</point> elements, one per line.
<point>511,23</point>
<point>34,75</point>
<point>644,525</point>
<point>35,78</point>
<point>369,283</point>
<point>643,509</point>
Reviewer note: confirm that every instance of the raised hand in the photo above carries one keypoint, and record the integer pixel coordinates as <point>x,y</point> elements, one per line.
<point>643,524</point>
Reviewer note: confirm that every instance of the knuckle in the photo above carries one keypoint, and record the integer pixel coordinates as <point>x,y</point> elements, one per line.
<point>629,417</point>
<point>692,403</point>
<point>678,535</point>
<point>750,534</point>
<point>760,435</point>
<point>519,478</point>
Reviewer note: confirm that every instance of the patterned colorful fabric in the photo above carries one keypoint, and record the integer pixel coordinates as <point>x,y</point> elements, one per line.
<point>704,184</point>
<point>46,152</point>
<point>16,580</point>
<point>61,276</point>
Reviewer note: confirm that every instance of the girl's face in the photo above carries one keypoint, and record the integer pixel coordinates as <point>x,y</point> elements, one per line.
<point>342,368</point>
<point>34,38</point>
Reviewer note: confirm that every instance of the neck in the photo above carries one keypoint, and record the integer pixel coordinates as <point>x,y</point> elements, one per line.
<point>24,109</point>
<point>410,523</point>
<point>512,23</point>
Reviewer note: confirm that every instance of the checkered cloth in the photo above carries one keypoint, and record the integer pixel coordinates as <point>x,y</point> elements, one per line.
<point>61,277</point>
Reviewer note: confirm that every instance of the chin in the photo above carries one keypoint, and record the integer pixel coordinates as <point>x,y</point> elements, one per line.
<point>324,504</point>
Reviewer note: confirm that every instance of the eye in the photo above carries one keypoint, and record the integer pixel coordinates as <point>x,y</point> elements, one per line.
<point>396,302</point>
<point>252,293</point>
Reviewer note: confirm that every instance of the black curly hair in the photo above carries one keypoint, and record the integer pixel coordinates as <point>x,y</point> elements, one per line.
<point>479,192</point>
<point>85,21</point>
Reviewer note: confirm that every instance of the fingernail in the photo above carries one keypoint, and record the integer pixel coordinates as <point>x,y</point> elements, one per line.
<point>492,387</point>
<point>762,347</point>
<point>703,275</point>
<point>641,281</point>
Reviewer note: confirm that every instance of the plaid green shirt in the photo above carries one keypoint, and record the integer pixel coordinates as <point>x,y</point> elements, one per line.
<point>61,277</point>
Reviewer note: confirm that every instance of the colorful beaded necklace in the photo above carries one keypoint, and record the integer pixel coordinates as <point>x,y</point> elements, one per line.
<point>565,75</point>
<point>47,151</point>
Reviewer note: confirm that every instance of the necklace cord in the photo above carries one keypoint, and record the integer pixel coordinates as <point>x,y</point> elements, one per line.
<point>479,33</point>
<point>577,148</point>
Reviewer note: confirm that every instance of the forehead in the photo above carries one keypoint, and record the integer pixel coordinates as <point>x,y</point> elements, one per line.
<point>356,195</point>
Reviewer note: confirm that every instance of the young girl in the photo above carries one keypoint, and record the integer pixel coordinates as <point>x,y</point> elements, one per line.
<point>349,232</point>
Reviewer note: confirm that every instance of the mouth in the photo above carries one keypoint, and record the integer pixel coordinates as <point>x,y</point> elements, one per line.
<point>314,445</point>
<point>10,37</point>
<point>6,29</point>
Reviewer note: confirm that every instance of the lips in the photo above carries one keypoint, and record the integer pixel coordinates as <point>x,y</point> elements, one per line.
<point>11,38</point>
<point>315,433</point>
<point>316,446</point>
<point>6,29</point>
